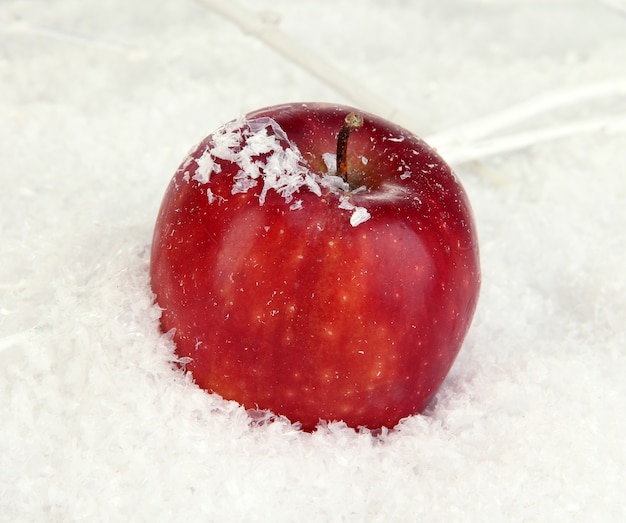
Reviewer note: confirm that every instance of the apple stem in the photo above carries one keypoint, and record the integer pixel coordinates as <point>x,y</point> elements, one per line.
<point>353,121</point>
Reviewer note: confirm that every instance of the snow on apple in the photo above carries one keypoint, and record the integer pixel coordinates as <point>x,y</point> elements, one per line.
<point>268,155</point>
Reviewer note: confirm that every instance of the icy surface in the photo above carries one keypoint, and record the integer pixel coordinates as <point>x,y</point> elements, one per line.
<point>99,102</point>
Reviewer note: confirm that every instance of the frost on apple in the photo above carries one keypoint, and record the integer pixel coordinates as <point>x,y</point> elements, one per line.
<point>264,154</point>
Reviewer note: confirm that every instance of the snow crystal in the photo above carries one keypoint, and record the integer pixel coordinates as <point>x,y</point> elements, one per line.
<point>210,195</point>
<point>206,165</point>
<point>330,160</point>
<point>243,182</point>
<point>359,214</point>
<point>226,140</point>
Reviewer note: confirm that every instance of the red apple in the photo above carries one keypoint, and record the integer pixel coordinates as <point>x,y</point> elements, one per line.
<point>293,290</point>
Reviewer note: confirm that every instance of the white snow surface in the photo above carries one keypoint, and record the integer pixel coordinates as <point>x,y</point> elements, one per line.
<point>99,102</point>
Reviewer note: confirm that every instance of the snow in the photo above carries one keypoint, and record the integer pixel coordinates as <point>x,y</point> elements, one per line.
<point>359,214</point>
<point>99,103</point>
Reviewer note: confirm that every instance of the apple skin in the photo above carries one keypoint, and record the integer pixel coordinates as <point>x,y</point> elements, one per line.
<point>281,303</point>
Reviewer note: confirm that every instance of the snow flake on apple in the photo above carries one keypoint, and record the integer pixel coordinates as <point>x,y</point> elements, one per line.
<point>264,154</point>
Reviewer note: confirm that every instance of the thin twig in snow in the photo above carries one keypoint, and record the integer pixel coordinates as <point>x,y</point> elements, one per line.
<point>459,153</point>
<point>481,127</point>
<point>308,60</point>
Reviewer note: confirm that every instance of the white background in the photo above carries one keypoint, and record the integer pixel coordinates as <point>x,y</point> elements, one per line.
<point>99,103</point>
